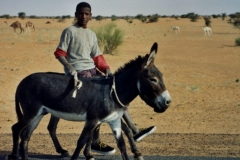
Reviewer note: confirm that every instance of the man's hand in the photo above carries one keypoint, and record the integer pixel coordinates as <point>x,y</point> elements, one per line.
<point>70,70</point>
<point>108,73</point>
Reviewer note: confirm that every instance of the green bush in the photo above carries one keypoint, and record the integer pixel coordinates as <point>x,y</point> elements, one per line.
<point>237,41</point>
<point>109,37</point>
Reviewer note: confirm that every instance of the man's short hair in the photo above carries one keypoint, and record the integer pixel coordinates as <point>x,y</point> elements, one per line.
<point>82,5</point>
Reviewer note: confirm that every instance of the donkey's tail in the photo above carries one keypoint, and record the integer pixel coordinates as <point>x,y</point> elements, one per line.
<point>17,108</point>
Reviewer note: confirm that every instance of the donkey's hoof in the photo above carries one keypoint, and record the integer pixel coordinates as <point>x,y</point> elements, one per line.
<point>12,157</point>
<point>65,154</point>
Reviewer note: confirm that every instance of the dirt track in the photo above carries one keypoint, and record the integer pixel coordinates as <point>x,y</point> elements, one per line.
<point>210,145</point>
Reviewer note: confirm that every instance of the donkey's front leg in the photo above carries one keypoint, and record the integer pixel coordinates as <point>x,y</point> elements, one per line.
<point>86,133</point>
<point>129,134</point>
<point>87,149</point>
<point>117,132</point>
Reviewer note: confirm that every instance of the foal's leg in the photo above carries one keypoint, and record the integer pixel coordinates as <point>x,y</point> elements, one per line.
<point>129,134</point>
<point>52,127</point>
<point>25,136</point>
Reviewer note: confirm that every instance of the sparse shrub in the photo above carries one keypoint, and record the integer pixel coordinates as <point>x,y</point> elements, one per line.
<point>114,18</point>
<point>61,20</point>
<point>130,21</point>
<point>144,19</point>
<point>153,18</point>
<point>237,41</point>
<point>109,37</point>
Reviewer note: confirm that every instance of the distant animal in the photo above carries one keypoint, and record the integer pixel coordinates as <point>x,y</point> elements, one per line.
<point>29,25</point>
<point>16,25</point>
<point>207,31</point>
<point>176,29</point>
<point>41,93</point>
<point>6,22</point>
<point>48,22</point>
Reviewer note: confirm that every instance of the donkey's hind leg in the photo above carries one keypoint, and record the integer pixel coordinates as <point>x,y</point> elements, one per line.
<point>129,134</point>
<point>17,129</point>
<point>52,127</point>
<point>25,136</point>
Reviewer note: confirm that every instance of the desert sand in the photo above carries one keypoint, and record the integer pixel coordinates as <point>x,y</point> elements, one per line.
<point>200,72</point>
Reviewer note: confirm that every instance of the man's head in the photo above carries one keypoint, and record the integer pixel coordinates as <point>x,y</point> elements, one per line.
<point>83,14</point>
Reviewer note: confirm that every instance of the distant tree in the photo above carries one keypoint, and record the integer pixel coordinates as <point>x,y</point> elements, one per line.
<point>223,16</point>
<point>99,18</point>
<point>216,15</point>
<point>235,20</point>
<point>66,17</point>
<point>207,21</point>
<point>33,17</point>
<point>62,19</point>
<point>193,17</point>
<point>7,16</point>
<point>164,16</point>
<point>114,18</point>
<point>141,17</point>
<point>153,18</point>
<point>22,15</point>
<point>127,18</point>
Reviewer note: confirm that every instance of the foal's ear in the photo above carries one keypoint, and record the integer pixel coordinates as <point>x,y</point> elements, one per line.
<point>152,54</point>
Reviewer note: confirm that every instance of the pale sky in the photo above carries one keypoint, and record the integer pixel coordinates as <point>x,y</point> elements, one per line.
<point>119,7</point>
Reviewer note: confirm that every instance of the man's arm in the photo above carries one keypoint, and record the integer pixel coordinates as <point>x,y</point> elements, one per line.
<point>102,65</point>
<point>60,55</point>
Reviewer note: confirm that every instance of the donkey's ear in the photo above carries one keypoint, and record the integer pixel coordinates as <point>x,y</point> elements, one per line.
<point>152,54</point>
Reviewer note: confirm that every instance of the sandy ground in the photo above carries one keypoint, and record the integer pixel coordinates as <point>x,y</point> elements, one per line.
<point>200,72</point>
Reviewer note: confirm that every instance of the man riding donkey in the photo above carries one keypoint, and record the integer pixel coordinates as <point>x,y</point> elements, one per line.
<point>79,53</point>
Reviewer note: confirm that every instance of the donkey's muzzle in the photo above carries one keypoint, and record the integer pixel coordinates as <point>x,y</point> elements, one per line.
<point>162,102</point>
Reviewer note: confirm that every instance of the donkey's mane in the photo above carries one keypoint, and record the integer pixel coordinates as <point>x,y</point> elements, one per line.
<point>130,65</point>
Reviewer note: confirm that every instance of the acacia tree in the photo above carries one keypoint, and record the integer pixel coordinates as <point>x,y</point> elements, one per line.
<point>235,21</point>
<point>207,21</point>
<point>193,17</point>
<point>223,16</point>
<point>99,18</point>
<point>22,15</point>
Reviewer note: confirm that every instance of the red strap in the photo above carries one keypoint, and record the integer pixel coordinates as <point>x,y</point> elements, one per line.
<point>100,63</point>
<point>59,53</point>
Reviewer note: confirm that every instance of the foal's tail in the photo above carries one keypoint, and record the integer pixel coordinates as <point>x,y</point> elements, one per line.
<point>17,108</point>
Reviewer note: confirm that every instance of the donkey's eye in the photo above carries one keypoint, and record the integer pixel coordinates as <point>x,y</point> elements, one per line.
<point>154,80</point>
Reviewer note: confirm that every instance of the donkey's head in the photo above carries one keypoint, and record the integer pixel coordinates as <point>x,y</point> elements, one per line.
<point>150,84</point>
